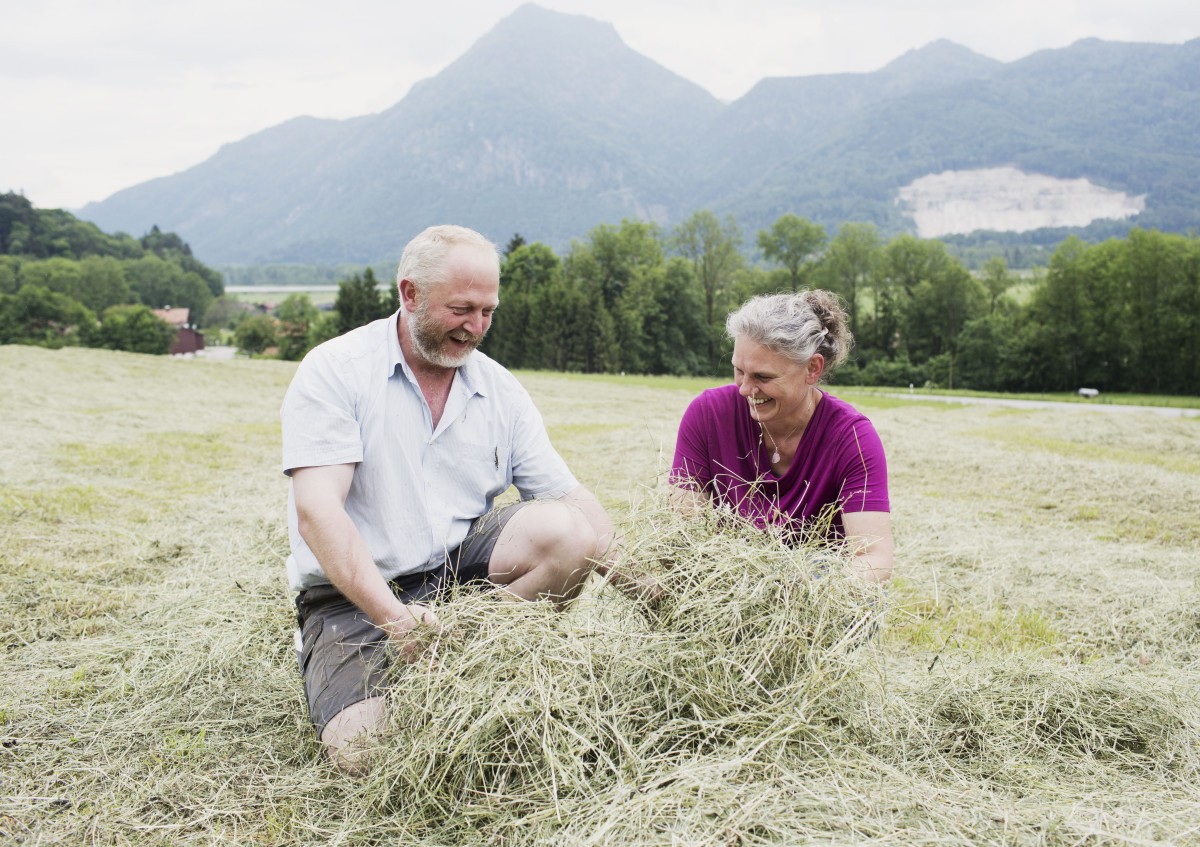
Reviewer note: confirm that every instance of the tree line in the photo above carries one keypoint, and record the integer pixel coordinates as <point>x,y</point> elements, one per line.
<point>1119,316</point>
<point>1122,315</point>
<point>63,281</point>
<point>296,325</point>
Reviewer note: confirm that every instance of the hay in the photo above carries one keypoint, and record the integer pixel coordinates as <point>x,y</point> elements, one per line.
<point>743,710</point>
<point>152,697</point>
<point>1040,723</point>
<point>520,714</point>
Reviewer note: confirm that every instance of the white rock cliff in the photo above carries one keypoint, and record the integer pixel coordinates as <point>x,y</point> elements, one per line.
<point>1008,200</point>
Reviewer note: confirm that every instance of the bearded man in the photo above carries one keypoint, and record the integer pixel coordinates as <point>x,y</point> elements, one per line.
<point>397,437</point>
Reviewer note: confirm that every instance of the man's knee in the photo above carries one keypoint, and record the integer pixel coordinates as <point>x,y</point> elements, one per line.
<point>550,536</point>
<point>562,530</point>
<point>347,736</point>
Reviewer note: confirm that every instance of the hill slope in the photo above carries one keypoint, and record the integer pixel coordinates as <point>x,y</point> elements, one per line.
<point>550,124</point>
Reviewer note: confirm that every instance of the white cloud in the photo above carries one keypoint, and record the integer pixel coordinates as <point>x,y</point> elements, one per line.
<point>105,95</point>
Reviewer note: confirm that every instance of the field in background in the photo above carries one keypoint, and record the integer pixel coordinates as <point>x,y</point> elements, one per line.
<point>151,693</point>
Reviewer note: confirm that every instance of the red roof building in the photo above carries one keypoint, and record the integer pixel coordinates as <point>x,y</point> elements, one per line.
<point>188,339</point>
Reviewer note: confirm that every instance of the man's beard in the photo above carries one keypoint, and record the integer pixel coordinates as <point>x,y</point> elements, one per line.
<point>430,340</point>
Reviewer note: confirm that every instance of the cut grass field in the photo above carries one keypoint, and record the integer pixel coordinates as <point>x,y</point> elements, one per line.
<point>1034,681</point>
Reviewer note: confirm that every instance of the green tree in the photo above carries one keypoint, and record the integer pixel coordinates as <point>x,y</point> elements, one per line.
<point>674,333</point>
<point>1060,306</point>
<point>221,313</point>
<point>514,244</point>
<point>10,274</point>
<point>712,248</point>
<point>296,316</point>
<point>940,305</point>
<point>134,328</point>
<point>102,283</point>
<point>852,258</point>
<point>606,267</point>
<point>322,329</point>
<point>358,301</point>
<point>57,274</point>
<point>996,280</point>
<point>1160,287</point>
<point>170,247</point>
<point>255,334</point>
<point>790,242</point>
<point>391,303</point>
<point>526,319</point>
<point>159,283</point>
<point>36,315</point>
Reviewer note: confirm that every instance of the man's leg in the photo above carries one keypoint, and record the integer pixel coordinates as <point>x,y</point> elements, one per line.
<point>534,550</point>
<point>343,662</point>
<point>346,736</point>
<point>544,551</point>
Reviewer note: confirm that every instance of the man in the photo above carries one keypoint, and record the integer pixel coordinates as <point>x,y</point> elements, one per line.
<point>397,437</point>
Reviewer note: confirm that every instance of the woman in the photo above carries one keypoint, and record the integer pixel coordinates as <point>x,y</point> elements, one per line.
<point>777,448</point>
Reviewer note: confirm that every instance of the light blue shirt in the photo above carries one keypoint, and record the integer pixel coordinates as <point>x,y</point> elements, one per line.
<point>416,489</point>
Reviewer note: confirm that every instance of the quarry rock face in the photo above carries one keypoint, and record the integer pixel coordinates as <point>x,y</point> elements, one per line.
<point>1008,200</point>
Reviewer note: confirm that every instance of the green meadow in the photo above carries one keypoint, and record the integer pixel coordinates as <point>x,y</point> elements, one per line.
<point>1034,680</point>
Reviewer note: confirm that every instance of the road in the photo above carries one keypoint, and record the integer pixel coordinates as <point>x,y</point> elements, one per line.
<point>1169,411</point>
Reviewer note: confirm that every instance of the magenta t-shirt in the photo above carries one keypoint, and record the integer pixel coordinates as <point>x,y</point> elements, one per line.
<point>839,461</point>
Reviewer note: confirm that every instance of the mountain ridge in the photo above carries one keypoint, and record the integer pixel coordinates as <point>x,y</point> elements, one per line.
<point>549,124</point>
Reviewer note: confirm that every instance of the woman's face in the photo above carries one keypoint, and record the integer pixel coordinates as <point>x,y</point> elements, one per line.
<point>775,387</point>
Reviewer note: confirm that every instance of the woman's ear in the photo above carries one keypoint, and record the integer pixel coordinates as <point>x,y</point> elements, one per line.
<point>814,369</point>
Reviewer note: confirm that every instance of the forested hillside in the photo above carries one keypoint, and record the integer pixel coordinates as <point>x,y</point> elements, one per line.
<point>550,125</point>
<point>64,281</point>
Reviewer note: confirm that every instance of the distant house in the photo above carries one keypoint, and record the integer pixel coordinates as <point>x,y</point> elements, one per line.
<point>188,339</point>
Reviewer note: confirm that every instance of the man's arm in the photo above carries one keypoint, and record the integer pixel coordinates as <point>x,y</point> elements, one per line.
<point>869,534</point>
<point>320,495</point>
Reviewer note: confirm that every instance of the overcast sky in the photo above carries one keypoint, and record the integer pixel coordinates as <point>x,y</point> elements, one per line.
<point>98,96</point>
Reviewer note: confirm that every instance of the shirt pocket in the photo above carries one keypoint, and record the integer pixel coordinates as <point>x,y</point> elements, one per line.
<point>488,463</point>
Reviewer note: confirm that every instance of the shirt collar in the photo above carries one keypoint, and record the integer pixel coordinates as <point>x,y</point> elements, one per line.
<point>468,372</point>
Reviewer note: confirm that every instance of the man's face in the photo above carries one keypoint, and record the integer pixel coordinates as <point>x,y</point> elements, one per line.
<point>452,318</point>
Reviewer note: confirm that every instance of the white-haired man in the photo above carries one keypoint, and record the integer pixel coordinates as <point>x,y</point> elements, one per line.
<point>397,437</point>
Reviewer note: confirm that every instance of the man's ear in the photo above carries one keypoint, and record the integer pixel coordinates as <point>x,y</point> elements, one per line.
<point>409,295</point>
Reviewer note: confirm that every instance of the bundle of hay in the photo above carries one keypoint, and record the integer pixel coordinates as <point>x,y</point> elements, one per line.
<point>1038,724</point>
<point>518,715</point>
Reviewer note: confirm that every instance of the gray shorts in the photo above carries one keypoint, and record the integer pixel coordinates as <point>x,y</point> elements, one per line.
<point>343,660</point>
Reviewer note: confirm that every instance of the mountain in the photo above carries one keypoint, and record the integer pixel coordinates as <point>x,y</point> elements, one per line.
<point>1121,115</point>
<point>547,125</point>
<point>780,117</point>
<point>550,124</point>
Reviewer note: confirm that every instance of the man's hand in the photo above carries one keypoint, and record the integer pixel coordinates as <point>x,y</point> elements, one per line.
<point>400,630</point>
<point>633,584</point>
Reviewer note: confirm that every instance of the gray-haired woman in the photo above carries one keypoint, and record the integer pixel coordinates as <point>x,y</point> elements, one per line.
<point>777,448</point>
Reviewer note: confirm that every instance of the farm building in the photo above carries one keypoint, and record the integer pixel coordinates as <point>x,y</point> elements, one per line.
<point>188,339</point>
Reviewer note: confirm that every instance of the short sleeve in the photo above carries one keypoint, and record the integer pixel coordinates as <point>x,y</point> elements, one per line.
<point>538,470</point>
<point>691,466</point>
<point>319,415</point>
<point>864,470</point>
